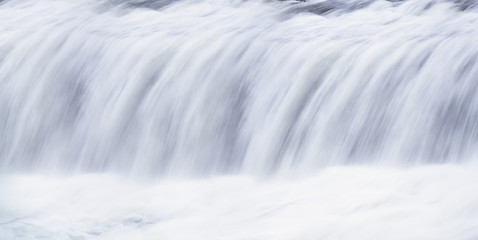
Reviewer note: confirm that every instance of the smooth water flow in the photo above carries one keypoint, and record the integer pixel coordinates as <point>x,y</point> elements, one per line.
<point>199,87</point>
<point>238,120</point>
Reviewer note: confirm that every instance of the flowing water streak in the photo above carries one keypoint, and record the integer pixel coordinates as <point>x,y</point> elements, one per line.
<point>177,88</point>
<point>201,87</point>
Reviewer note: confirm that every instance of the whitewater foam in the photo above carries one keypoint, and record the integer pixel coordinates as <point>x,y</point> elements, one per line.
<point>435,202</point>
<point>227,119</point>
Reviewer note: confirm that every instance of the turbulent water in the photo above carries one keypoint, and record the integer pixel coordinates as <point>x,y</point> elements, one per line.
<point>227,119</point>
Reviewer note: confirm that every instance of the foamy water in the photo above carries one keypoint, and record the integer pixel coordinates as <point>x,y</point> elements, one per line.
<point>436,202</point>
<point>217,119</point>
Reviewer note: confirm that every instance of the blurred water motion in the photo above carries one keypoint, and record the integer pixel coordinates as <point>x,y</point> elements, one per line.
<point>205,87</point>
<point>240,91</point>
<point>339,203</point>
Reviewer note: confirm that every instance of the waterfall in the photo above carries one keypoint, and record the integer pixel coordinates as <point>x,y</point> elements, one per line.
<point>204,87</point>
<point>238,119</point>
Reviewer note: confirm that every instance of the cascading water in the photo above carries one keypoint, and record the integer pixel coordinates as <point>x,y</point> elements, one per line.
<point>340,95</point>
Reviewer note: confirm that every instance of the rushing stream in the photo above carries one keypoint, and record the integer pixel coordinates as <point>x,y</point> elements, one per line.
<point>228,119</point>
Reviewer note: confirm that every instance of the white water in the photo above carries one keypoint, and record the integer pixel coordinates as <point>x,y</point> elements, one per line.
<point>338,203</point>
<point>216,119</point>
